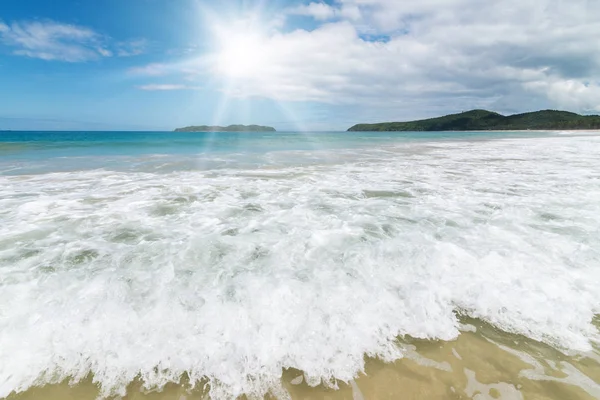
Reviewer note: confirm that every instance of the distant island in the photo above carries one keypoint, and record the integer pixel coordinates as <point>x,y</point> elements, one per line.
<point>483,120</point>
<point>230,128</point>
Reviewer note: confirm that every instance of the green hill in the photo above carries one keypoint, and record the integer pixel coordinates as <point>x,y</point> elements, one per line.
<point>230,128</point>
<point>480,120</point>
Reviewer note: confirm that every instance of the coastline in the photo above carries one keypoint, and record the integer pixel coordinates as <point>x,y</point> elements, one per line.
<point>482,363</point>
<point>498,130</point>
<point>490,120</point>
<point>537,130</point>
<point>435,228</point>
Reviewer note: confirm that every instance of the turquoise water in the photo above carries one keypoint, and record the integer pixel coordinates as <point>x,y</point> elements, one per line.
<point>38,152</point>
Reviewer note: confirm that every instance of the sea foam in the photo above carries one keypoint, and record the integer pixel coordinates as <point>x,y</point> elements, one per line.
<point>232,274</point>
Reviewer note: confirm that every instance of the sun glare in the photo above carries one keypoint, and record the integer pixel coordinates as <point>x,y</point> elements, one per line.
<point>243,53</point>
<point>240,46</point>
<point>240,55</point>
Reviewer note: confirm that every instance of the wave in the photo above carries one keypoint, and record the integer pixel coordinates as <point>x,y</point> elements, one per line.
<point>230,276</point>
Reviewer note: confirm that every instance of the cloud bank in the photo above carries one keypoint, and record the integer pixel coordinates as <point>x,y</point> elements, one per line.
<point>446,54</point>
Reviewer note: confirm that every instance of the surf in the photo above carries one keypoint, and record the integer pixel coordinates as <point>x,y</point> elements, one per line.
<point>232,275</point>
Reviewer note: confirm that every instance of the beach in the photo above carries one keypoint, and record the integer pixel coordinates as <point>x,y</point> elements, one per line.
<point>302,266</point>
<point>483,363</point>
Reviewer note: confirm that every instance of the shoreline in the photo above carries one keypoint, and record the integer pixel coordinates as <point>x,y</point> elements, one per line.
<point>482,363</point>
<point>539,130</point>
<point>491,130</point>
<point>314,262</point>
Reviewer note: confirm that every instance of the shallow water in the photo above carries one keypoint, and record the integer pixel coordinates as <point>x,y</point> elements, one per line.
<point>482,363</point>
<point>228,266</point>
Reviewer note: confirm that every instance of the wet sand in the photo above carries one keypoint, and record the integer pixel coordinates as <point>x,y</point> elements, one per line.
<point>482,363</point>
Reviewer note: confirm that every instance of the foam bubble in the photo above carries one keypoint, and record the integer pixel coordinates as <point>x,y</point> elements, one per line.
<point>233,274</point>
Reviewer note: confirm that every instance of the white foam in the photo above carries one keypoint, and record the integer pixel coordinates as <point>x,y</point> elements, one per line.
<point>411,353</point>
<point>593,132</point>
<point>233,275</point>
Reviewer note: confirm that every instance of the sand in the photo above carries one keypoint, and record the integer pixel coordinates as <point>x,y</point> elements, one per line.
<point>482,363</point>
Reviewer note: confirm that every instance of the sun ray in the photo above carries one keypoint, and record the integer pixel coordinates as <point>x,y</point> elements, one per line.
<point>240,52</point>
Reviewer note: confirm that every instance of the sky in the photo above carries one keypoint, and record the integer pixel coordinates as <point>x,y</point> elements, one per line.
<point>295,65</point>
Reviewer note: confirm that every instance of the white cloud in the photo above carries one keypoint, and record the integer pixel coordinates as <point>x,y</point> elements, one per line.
<point>570,94</point>
<point>155,69</point>
<point>319,11</point>
<point>351,12</point>
<point>131,48</point>
<point>104,52</point>
<point>164,87</point>
<point>53,41</point>
<point>457,54</point>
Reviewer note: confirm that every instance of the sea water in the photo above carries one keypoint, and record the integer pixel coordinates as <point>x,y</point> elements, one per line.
<point>227,260</point>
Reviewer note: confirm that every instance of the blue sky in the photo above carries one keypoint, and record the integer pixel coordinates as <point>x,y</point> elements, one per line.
<point>160,64</point>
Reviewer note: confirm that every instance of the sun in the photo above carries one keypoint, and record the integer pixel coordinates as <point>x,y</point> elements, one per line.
<point>243,58</point>
<point>240,55</point>
<point>240,46</point>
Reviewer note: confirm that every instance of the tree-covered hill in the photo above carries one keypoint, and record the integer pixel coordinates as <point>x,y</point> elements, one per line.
<point>476,120</point>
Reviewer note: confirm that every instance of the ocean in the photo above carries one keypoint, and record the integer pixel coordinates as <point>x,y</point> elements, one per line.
<point>297,265</point>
